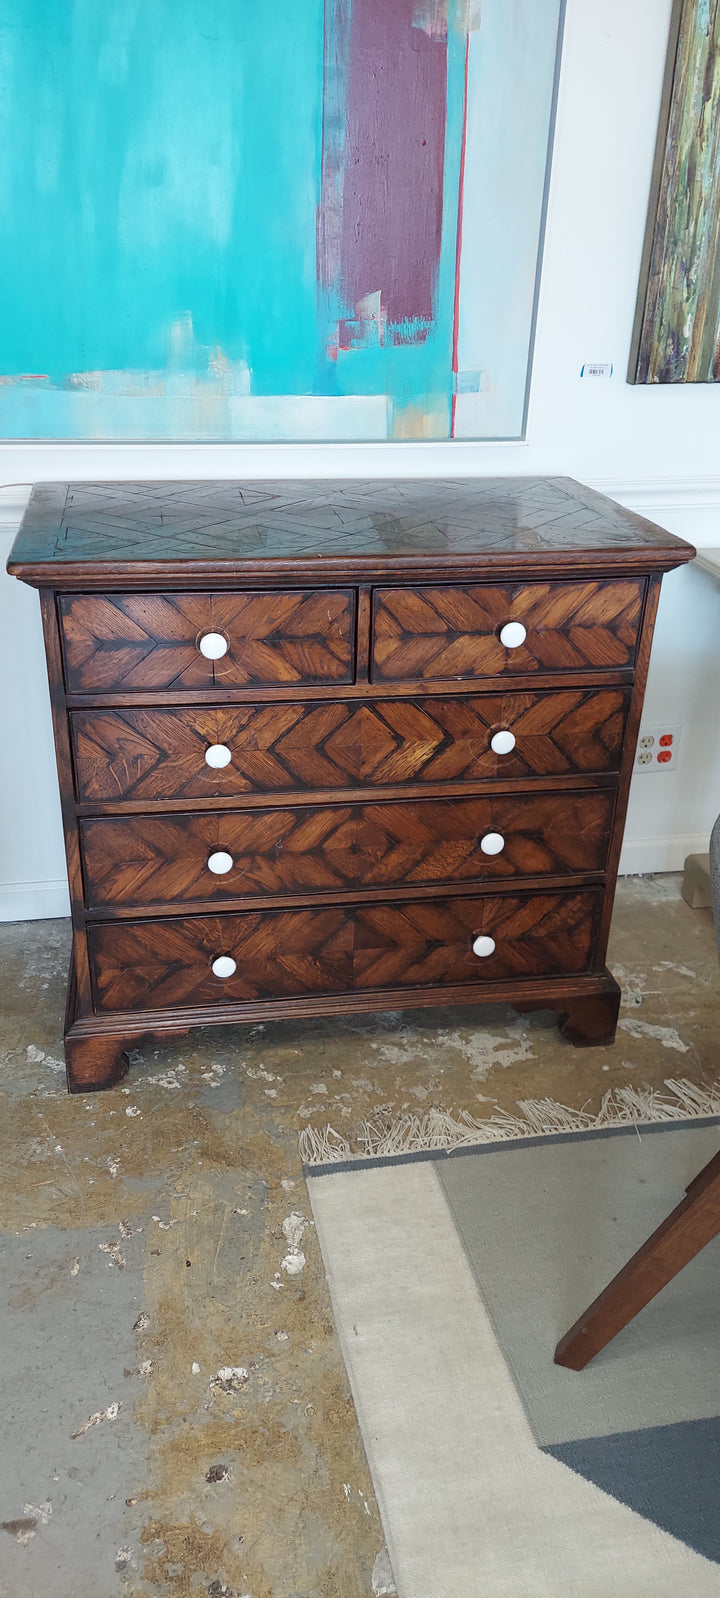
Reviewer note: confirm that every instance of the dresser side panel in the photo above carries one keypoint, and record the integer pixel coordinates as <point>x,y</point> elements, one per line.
<point>66,780</point>
<point>632,729</point>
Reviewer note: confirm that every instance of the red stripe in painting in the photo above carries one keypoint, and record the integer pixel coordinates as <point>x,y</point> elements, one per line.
<point>458,245</point>
<point>394,153</point>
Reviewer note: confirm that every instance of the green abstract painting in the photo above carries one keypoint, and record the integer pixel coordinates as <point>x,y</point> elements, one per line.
<point>677,326</point>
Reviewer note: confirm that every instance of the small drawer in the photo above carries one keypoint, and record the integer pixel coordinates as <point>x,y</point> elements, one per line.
<point>130,642</point>
<point>209,961</point>
<point>206,752</point>
<point>147,861</point>
<point>452,634</point>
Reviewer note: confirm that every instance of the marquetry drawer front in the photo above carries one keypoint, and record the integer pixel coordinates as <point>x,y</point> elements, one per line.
<point>142,861</point>
<point>194,753</point>
<point>129,642</point>
<point>451,633</point>
<point>216,960</point>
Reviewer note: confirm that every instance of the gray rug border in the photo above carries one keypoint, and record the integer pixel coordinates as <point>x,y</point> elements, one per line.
<point>503,1145</point>
<point>685,1123</point>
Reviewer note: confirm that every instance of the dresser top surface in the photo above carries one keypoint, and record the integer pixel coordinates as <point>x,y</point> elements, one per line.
<point>331,523</point>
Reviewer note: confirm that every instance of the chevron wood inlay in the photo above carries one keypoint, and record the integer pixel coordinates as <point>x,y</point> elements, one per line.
<point>278,953</point>
<point>430,941</point>
<point>347,816</point>
<point>278,748</point>
<point>151,641</point>
<point>147,860</point>
<point>443,634</point>
<point>153,964</point>
<point>194,521</point>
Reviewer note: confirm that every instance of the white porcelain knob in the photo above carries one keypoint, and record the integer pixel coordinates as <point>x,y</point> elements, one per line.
<point>483,946</point>
<point>224,966</point>
<point>220,862</point>
<point>512,635</point>
<point>217,756</point>
<point>502,742</point>
<point>213,646</point>
<point>492,843</point>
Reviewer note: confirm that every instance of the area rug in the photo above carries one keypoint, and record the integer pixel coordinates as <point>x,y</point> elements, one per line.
<point>498,1474</point>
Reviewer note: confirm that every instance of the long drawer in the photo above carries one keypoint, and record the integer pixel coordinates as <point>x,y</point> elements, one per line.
<point>216,960</point>
<point>175,753</point>
<point>450,633</point>
<point>142,861</point>
<point>130,642</point>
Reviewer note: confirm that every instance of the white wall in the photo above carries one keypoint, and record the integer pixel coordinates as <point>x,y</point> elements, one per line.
<point>656,449</point>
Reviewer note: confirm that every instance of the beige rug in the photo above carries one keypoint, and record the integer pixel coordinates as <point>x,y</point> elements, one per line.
<point>497,1475</point>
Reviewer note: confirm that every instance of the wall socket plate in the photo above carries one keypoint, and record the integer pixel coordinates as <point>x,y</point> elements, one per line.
<point>657,748</point>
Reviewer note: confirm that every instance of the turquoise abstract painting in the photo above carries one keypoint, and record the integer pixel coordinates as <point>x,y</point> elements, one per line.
<point>223,220</point>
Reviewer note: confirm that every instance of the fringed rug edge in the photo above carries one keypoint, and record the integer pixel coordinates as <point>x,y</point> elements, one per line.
<point>413,1136</point>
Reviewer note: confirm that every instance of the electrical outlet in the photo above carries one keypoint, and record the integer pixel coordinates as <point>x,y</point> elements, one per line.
<point>657,749</point>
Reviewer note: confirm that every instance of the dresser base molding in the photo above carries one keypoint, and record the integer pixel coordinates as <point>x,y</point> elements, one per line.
<point>592,1020</point>
<point>94,1062</point>
<point>587,1020</point>
<point>97,1048</point>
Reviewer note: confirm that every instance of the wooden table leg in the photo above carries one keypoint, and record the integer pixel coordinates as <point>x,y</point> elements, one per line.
<point>709,1170</point>
<point>695,1222</point>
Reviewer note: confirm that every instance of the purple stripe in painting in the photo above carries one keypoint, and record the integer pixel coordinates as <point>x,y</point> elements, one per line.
<point>394,148</point>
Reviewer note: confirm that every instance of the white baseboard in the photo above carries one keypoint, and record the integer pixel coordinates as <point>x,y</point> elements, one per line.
<point>641,855</point>
<point>34,901</point>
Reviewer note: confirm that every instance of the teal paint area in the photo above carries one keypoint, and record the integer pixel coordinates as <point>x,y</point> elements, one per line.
<point>158,188</point>
<point>178,256</point>
<point>159,197</point>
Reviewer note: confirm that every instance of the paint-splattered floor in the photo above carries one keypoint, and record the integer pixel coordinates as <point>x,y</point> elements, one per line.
<point>177,1419</point>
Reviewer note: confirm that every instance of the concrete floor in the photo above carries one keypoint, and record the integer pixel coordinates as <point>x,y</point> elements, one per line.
<point>177,1418</point>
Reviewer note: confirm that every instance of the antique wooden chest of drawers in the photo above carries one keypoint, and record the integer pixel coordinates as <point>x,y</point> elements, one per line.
<point>329,747</point>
